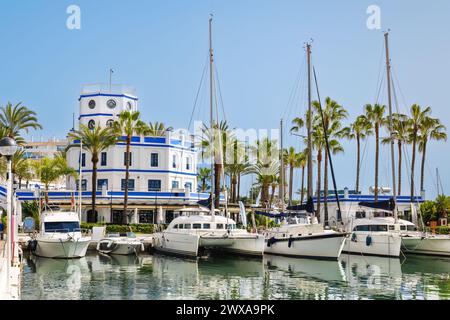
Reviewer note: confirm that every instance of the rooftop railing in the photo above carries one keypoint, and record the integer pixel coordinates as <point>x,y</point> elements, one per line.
<point>107,88</point>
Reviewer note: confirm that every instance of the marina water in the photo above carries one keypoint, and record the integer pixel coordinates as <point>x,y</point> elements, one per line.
<point>224,277</point>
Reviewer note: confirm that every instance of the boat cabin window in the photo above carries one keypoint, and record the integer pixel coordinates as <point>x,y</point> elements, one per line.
<point>187,225</point>
<point>197,226</point>
<point>231,226</point>
<point>175,226</point>
<point>373,228</point>
<point>62,226</point>
<point>411,228</point>
<point>206,226</point>
<point>391,227</point>
<point>219,226</point>
<point>360,214</point>
<point>403,228</point>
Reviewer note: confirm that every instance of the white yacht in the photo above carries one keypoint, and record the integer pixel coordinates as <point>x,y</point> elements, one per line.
<point>192,234</point>
<point>374,236</point>
<point>415,241</point>
<point>304,237</point>
<point>60,236</point>
<point>116,243</point>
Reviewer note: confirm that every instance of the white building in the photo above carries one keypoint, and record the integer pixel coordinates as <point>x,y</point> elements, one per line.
<point>163,170</point>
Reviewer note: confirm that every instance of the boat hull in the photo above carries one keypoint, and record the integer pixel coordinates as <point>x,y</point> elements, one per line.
<point>62,248</point>
<point>382,244</point>
<point>176,243</point>
<point>119,248</point>
<point>436,246</point>
<point>327,246</point>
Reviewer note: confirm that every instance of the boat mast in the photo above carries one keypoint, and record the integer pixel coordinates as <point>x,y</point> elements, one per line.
<point>391,129</point>
<point>281,189</point>
<point>211,119</point>
<point>309,125</point>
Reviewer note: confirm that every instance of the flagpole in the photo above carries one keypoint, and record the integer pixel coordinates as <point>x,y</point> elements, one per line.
<point>80,191</point>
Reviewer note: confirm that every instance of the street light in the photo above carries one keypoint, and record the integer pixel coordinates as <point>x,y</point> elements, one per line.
<point>8,147</point>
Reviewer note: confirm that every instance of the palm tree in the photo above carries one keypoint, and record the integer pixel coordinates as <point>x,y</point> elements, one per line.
<point>157,129</point>
<point>51,170</point>
<point>94,141</point>
<point>430,129</point>
<point>236,165</point>
<point>318,143</point>
<point>333,114</point>
<point>399,134</point>
<point>128,124</point>
<point>303,159</point>
<point>220,137</point>
<point>415,121</point>
<point>265,175</point>
<point>14,119</point>
<point>375,114</point>
<point>293,160</point>
<point>359,130</point>
<point>204,175</point>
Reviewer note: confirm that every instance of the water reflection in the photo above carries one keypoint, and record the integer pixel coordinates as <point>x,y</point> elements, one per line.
<point>228,277</point>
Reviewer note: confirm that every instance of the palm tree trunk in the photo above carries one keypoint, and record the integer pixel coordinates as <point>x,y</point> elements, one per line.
<point>377,154</point>
<point>358,161</point>
<point>127,178</point>
<point>399,168</point>
<point>302,193</point>
<point>238,187</point>
<point>272,195</point>
<point>413,163</point>
<point>94,181</point>
<point>319,177</point>
<point>20,182</point>
<point>325,188</point>
<point>291,181</point>
<point>422,169</point>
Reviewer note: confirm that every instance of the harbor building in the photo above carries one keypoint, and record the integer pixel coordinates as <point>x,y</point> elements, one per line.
<point>163,168</point>
<point>44,149</point>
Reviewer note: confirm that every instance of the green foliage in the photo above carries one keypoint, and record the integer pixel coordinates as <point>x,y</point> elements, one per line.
<point>50,170</point>
<point>136,228</point>
<point>428,211</point>
<point>440,230</point>
<point>31,209</point>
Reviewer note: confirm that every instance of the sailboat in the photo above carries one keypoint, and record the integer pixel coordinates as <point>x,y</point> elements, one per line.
<point>199,230</point>
<point>300,234</point>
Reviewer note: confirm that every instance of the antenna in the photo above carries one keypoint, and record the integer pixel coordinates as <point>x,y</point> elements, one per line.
<point>111,71</point>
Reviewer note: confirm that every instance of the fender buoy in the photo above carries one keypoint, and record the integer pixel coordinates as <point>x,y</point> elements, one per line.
<point>354,238</point>
<point>368,240</point>
<point>271,241</point>
<point>290,242</point>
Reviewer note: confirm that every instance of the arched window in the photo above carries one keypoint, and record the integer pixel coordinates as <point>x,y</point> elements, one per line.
<point>110,123</point>
<point>174,161</point>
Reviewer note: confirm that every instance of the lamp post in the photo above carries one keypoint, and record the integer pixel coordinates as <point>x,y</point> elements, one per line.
<point>8,147</point>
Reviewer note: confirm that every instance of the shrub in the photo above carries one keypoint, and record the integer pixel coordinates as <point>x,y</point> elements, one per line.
<point>440,230</point>
<point>121,228</point>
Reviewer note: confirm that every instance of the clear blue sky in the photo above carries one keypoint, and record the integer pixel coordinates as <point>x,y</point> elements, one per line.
<point>160,48</point>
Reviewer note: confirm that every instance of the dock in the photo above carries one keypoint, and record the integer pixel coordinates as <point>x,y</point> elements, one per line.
<point>11,290</point>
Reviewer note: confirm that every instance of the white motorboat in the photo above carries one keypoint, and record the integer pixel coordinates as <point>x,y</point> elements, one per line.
<point>60,236</point>
<point>192,235</point>
<point>115,243</point>
<point>305,238</point>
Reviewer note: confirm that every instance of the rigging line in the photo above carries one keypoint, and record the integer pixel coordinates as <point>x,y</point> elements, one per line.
<point>380,89</point>
<point>339,218</point>
<point>399,88</point>
<point>381,73</point>
<point>294,88</point>
<point>220,92</point>
<point>198,92</point>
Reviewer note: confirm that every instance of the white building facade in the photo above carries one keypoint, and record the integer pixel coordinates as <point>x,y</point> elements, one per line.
<point>161,167</point>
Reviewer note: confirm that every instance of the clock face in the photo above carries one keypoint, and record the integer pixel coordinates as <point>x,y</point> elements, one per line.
<point>92,104</point>
<point>91,124</point>
<point>111,104</point>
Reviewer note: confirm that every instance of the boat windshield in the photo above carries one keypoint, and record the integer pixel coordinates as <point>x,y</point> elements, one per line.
<point>62,227</point>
